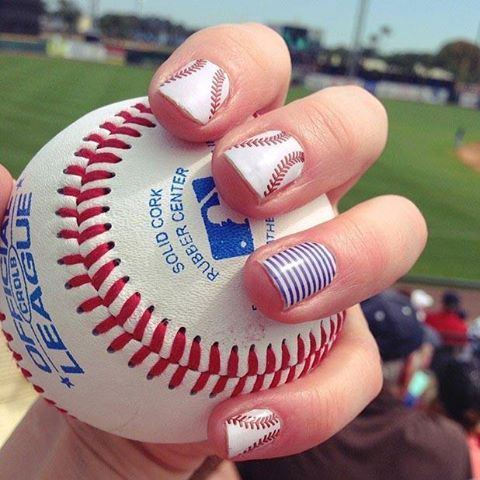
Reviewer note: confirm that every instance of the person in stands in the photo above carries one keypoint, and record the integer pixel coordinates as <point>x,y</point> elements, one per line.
<point>449,321</point>
<point>459,394</point>
<point>388,439</point>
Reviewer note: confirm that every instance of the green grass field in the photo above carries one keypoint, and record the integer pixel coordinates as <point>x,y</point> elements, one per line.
<point>40,96</point>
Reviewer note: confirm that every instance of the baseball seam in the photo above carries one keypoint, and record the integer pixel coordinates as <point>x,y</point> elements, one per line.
<point>254,423</point>
<point>18,358</point>
<point>276,139</point>
<point>267,438</point>
<point>282,169</point>
<point>216,91</point>
<point>186,72</point>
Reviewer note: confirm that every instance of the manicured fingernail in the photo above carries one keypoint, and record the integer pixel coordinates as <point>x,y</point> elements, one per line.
<point>251,430</point>
<point>268,161</point>
<point>199,89</point>
<point>300,271</point>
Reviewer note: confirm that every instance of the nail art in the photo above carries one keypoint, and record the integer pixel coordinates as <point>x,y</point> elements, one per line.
<point>251,430</point>
<point>199,89</point>
<point>268,161</point>
<point>300,271</point>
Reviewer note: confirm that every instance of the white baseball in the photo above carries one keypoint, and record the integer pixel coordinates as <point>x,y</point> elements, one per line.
<point>122,297</point>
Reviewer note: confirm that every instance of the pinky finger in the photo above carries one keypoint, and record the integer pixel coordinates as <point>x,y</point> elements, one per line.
<point>306,412</point>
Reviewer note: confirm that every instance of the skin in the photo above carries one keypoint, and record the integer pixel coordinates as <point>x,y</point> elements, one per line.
<point>343,131</point>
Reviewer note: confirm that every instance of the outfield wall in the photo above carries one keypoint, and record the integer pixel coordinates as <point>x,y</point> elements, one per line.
<point>382,88</point>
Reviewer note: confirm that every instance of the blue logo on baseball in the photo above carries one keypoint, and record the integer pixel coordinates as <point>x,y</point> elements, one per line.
<point>228,237</point>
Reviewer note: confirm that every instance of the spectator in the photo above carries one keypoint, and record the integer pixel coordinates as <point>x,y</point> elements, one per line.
<point>459,394</point>
<point>387,440</point>
<point>449,322</point>
<point>421,300</point>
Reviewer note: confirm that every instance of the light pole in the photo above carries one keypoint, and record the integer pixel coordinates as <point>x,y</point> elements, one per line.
<point>357,37</point>
<point>94,12</point>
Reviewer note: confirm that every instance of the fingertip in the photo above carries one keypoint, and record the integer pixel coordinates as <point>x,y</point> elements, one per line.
<point>6,184</point>
<point>219,78</point>
<point>417,219</point>
<point>174,118</point>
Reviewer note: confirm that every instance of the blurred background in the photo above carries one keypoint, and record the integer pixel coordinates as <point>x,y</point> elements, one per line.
<point>60,59</point>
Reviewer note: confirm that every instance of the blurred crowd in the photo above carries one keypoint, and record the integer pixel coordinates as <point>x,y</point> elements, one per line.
<point>425,423</point>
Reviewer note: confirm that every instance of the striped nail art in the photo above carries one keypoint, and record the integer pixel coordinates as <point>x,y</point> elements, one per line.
<point>300,271</point>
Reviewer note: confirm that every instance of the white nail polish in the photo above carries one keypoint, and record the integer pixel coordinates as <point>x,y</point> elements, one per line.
<point>199,89</point>
<point>268,161</point>
<point>251,430</point>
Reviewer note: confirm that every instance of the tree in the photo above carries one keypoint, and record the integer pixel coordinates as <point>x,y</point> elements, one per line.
<point>386,30</point>
<point>375,40</point>
<point>461,58</point>
<point>406,61</point>
<point>68,11</point>
<point>119,26</point>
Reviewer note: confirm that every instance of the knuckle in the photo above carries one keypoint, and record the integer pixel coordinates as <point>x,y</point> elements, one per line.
<point>365,247</point>
<point>326,125</point>
<point>324,402</point>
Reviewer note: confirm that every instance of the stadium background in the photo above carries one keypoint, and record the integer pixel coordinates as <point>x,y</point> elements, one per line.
<point>43,91</point>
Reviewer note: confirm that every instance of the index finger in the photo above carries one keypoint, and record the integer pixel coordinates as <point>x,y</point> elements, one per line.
<point>5,189</point>
<point>218,78</point>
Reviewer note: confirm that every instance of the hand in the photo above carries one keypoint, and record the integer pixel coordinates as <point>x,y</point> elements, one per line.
<point>330,139</point>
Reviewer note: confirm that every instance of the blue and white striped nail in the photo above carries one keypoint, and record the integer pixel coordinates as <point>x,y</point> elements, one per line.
<point>301,271</point>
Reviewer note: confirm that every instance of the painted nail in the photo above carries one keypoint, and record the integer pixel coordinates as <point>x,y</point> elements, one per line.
<point>251,430</point>
<point>199,89</point>
<point>300,271</point>
<point>268,161</point>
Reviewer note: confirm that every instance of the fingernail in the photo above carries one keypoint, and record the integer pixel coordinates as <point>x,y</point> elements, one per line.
<point>268,161</point>
<point>251,430</point>
<point>199,89</point>
<point>300,271</point>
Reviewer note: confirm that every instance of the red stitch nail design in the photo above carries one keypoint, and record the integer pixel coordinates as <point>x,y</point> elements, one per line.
<point>268,161</point>
<point>251,430</point>
<point>199,89</point>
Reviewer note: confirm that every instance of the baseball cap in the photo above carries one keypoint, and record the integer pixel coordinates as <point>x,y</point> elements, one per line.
<point>421,299</point>
<point>394,324</point>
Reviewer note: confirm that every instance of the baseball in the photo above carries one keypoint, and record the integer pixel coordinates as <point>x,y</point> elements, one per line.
<point>122,298</point>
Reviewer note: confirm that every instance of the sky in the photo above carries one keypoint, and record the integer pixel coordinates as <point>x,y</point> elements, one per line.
<point>417,25</point>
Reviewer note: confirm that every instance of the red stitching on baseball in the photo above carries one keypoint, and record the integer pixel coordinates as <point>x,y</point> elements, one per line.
<point>275,139</point>
<point>185,72</point>
<point>216,91</point>
<point>17,357</point>
<point>281,170</point>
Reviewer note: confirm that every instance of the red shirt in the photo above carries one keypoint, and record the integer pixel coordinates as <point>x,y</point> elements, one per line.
<point>450,326</point>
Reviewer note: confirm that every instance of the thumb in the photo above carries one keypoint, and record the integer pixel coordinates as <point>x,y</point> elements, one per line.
<point>5,189</point>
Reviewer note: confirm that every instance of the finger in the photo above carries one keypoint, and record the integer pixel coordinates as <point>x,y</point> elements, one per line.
<point>287,157</point>
<point>5,189</point>
<point>219,77</point>
<point>299,415</point>
<point>323,270</point>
